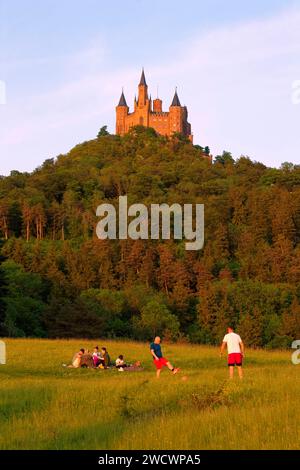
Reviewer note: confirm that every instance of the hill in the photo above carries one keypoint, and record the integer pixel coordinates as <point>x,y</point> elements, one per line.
<point>58,279</point>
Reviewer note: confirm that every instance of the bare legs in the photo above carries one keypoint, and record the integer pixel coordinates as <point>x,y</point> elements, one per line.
<point>240,371</point>
<point>170,367</point>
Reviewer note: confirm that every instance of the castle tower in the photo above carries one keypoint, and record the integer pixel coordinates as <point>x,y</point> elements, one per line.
<point>143,91</point>
<point>143,102</point>
<point>157,105</point>
<point>122,111</point>
<point>175,115</point>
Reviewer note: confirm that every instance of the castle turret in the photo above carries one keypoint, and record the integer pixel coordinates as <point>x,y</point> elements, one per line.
<point>175,115</point>
<point>121,113</point>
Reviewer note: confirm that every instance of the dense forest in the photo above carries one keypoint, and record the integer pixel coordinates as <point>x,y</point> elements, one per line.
<point>57,279</point>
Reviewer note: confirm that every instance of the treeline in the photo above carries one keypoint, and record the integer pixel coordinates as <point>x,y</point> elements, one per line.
<point>58,280</point>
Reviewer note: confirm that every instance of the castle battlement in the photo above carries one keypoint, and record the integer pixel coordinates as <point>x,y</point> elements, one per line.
<point>162,114</point>
<point>149,113</point>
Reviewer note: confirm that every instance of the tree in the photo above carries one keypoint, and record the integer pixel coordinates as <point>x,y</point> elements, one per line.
<point>71,318</point>
<point>3,292</point>
<point>111,308</point>
<point>224,159</point>
<point>250,328</point>
<point>4,211</point>
<point>155,320</point>
<point>24,302</point>
<point>287,166</point>
<point>103,132</point>
<point>28,217</point>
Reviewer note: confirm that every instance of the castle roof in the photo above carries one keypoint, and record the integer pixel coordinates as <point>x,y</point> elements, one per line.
<point>175,101</point>
<point>122,101</point>
<point>143,79</point>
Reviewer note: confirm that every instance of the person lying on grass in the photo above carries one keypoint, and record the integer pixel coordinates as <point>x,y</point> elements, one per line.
<point>158,358</point>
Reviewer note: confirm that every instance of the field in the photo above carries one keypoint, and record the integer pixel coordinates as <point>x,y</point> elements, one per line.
<point>46,406</point>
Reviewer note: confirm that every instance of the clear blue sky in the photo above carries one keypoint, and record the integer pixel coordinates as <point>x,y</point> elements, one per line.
<point>64,63</point>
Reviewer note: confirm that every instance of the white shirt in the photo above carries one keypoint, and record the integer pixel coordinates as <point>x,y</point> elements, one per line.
<point>233,342</point>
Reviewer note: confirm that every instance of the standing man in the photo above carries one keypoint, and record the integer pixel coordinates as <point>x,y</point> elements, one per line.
<point>236,351</point>
<point>158,358</point>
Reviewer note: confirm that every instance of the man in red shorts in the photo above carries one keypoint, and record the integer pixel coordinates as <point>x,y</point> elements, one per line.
<point>236,351</point>
<point>159,360</point>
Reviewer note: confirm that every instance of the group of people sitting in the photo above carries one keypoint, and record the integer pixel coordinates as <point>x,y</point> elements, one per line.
<point>101,359</point>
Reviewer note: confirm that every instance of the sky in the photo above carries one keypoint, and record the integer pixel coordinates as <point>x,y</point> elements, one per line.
<point>63,64</point>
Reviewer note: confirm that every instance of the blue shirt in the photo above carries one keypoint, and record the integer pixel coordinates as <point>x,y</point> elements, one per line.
<point>157,349</point>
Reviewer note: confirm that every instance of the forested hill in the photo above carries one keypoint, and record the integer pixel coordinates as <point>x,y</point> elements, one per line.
<point>59,280</point>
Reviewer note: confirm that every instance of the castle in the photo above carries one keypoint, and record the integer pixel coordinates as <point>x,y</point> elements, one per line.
<point>150,114</point>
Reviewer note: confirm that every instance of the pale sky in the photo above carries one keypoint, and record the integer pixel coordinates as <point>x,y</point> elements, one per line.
<point>63,64</point>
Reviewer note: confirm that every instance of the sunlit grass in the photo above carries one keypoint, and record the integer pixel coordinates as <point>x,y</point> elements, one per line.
<point>46,406</point>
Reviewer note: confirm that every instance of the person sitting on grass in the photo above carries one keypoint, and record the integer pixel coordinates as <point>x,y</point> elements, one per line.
<point>158,358</point>
<point>120,363</point>
<point>96,356</point>
<point>76,361</point>
<point>87,359</point>
<point>104,359</point>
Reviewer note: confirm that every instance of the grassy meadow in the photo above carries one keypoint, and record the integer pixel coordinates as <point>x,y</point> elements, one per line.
<point>46,406</point>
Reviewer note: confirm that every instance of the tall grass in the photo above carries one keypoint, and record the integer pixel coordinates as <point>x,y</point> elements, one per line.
<point>46,406</point>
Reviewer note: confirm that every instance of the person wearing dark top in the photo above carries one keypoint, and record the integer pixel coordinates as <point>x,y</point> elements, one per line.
<point>104,359</point>
<point>158,358</point>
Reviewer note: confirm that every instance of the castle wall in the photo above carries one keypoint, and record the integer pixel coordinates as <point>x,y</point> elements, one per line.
<point>160,122</point>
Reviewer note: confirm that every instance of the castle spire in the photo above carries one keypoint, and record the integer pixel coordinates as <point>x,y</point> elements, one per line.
<point>122,101</point>
<point>175,101</point>
<point>143,79</point>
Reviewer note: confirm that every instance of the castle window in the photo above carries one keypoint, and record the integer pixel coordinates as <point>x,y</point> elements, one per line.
<point>141,121</point>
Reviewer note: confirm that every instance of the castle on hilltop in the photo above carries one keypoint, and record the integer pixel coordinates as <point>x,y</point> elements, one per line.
<point>149,113</point>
